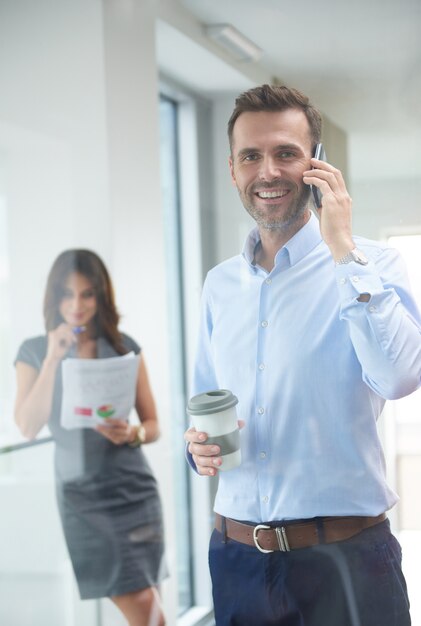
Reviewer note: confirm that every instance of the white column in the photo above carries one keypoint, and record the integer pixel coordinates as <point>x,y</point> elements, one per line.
<point>138,253</point>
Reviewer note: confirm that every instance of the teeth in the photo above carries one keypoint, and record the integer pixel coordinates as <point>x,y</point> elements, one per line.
<point>272,194</point>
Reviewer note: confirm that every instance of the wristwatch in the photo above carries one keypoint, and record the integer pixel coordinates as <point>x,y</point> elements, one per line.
<point>139,438</point>
<point>355,255</point>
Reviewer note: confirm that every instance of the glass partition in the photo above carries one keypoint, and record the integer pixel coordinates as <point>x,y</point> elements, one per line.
<point>37,584</point>
<point>90,158</point>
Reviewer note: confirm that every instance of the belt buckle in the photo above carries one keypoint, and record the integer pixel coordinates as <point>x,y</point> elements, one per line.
<point>256,543</point>
<point>281,535</point>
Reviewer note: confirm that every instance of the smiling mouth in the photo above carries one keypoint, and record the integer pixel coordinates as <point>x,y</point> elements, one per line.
<point>272,194</point>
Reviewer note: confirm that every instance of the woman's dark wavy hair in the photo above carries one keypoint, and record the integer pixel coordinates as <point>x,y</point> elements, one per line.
<point>88,264</point>
<point>275,98</point>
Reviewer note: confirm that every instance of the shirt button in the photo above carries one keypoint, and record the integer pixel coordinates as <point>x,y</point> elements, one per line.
<point>264,323</point>
<point>263,455</point>
<point>268,281</point>
<point>372,309</point>
<point>342,281</point>
<point>260,410</point>
<point>355,279</point>
<point>265,499</point>
<point>261,366</point>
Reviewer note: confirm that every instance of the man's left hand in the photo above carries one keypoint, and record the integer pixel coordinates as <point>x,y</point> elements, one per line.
<point>335,213</point>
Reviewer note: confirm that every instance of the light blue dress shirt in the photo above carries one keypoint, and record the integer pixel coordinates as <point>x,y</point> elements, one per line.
<point>311,367</point>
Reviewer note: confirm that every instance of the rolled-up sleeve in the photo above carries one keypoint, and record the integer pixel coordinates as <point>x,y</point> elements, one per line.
<point>386,330</point>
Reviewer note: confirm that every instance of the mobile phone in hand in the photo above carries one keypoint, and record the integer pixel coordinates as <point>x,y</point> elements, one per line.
<point>319,153</point>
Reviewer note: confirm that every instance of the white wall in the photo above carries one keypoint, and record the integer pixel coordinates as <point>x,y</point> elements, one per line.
<point>388,199</point>
<point>387,206</point>
<point>53,142</point>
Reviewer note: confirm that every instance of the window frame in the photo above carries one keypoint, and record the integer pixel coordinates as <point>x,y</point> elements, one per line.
<point>188,151</point>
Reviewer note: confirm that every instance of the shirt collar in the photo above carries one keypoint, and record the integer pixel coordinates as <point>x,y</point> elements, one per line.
<point>307,238</point>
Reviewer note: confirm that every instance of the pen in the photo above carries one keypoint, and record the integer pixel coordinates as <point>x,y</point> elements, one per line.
<point>78,329</point>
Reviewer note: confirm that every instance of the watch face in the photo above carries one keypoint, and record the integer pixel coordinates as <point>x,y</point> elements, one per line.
<point>142,433</point>
<point>359,257</point>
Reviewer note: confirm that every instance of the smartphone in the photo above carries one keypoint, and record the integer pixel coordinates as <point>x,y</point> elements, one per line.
<point>319,153</point>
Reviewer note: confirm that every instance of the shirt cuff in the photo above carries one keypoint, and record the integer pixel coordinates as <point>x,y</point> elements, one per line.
<point>190,461</point>
<point>354,279</point>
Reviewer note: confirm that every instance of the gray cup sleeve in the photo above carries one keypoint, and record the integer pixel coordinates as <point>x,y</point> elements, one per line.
<point>228,443</point>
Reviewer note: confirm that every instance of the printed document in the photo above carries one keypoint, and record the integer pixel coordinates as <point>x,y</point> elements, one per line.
<point>97,389</point>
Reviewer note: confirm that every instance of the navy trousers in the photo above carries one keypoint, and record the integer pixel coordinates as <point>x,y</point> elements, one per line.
<point>357,582</point>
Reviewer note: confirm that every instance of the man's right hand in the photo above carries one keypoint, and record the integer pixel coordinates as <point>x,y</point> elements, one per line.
<point>206,458</point>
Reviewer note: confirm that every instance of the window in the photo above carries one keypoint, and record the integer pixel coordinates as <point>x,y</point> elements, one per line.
<point>173,238</point>
<point>405,444</point>
<point>184,127</point>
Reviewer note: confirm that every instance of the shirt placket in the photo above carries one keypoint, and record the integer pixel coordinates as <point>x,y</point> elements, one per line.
<point>262,409</point>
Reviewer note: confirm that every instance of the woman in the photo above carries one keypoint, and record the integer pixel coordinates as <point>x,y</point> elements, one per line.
<point>107,495</point>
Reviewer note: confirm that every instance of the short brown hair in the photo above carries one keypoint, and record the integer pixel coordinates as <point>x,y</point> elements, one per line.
<point>88,264</point>
<point>273,98</point>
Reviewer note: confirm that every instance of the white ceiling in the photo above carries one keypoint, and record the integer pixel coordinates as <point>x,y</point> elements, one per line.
<point>184,60</point>
<point>359,60</point>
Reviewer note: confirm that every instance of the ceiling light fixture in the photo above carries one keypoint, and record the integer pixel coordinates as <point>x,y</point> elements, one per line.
<point>234,42</point>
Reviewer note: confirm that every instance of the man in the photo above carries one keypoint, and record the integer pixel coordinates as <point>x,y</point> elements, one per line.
<point>312,329</point>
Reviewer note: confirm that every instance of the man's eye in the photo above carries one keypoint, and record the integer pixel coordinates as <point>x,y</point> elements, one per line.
<point>251,157</point>
<point>286,155</point>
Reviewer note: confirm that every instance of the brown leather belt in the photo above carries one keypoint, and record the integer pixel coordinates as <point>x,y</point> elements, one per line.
<point>293,535</point>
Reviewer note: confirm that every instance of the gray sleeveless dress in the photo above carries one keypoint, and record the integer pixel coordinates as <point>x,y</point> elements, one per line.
<point>107,498</point>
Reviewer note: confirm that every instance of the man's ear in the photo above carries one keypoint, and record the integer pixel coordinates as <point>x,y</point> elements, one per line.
<point>231,166</point>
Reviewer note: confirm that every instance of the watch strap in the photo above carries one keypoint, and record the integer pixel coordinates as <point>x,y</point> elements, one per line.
<point>139,438</point>
<point>354,255</point>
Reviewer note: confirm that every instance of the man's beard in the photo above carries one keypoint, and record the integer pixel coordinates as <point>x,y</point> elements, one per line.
<point>293,214</point>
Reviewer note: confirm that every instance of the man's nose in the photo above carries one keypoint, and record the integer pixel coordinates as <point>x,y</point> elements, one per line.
<point>269,169</point>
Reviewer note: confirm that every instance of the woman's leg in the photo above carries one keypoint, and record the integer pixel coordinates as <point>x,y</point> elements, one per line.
<point>141,608</point>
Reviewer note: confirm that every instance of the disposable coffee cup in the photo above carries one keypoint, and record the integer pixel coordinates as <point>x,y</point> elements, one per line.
<point>214,413</point>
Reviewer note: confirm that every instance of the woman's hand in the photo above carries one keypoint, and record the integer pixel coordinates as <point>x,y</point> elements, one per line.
<point>35,388</point>
<point>60,341</point>
<point>118,431</point>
